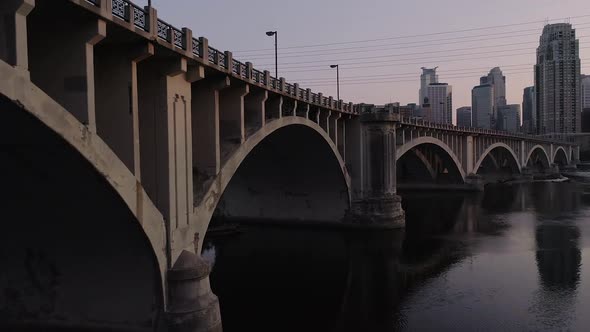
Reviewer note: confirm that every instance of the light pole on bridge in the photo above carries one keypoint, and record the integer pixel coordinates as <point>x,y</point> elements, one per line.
<point>337,82</point>
<point>275,33</point>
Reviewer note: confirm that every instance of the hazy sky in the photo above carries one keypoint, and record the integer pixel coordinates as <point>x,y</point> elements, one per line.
<point>387,68</point>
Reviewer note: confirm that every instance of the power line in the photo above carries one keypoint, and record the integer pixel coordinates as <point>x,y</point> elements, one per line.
<point>453,76</point>
<point>381,77</point>
<point>415,73</point>
<point>294,66</point>
<point>403,54</point>
<point>458,40</point>
<point>403,81</point>
<point>417,35</point>
<point>410,63</point>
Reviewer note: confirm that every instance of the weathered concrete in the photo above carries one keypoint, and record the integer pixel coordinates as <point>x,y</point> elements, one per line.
<point>378,203</point>
<point>166,127</point>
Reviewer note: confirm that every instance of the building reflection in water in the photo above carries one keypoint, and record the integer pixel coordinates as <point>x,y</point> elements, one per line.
<point>558,253</point>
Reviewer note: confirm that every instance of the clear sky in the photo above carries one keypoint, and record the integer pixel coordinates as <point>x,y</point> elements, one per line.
<point>386,69</point>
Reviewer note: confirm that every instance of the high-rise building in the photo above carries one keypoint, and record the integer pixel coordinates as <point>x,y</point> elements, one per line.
<point>440,96</point>
<point>585,93</point>
<point>496,79</point>
<point>557,80</point>
<point>529,114</point>
<point>464,116</point>
<point>509,118</point>
<point>428,77</point>
<point>482,106</point>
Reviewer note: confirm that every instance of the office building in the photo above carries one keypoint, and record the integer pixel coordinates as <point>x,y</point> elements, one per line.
<point>428,77</point>
<point>497,80</point>
<point>557,80</point>
<point>509,118</point>
<point>440,96</point>
<point>464,116</point>
<point>482,106</point>
<point>529,114</point>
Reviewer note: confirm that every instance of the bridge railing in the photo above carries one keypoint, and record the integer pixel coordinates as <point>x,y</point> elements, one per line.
<point>553,138</point>
<point>131,13</point>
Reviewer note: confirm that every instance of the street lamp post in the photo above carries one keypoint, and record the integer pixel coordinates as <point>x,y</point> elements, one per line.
<point>337,82</point>
<point>275,33</point>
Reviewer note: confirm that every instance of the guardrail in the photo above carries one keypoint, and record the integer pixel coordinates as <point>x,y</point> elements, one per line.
<point>472,130</point>
<point>177,38</point>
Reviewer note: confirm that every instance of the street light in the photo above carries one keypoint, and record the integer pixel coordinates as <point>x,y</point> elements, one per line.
<point>337,82</point>
<point>275,33</point>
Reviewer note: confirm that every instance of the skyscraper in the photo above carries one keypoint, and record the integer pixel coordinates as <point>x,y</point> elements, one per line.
<point>585,93</point>
<point>529,114</point>
<point>441,102</point>
<point>557,80</point>
<point>428,76</point>
<point>497,80</point>
<point>509,118</point>
<point>464,116</point>
<point>482,106</point>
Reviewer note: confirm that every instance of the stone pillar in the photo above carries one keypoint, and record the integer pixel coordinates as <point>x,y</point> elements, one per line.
<point>379,205</point>
<point>468,153</point>
<point>13,35</point>
<point>231,113</point>
<point>192,306</point>
<point>254,108</point>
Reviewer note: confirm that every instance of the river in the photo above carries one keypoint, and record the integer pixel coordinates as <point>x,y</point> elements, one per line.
<point>510,259</point>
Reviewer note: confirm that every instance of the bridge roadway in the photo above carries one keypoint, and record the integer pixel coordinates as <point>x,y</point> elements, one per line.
<point>123,135</point>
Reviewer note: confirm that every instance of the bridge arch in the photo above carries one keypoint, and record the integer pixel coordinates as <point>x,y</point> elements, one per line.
<point>403,149</point>
<point>560,157</point>
<point>207,201</point>
<point>544,159</point>
<point>78,216</point>
<point>488,151</point>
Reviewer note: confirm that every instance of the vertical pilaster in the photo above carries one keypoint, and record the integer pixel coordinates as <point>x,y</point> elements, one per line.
<point>231,113</point>
<point>205,122</point>
<point>13,35</point>
<point>469,157</point>
<point>255,110</point>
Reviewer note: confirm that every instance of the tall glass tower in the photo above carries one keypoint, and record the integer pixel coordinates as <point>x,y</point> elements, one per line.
<point>428,77</point>
<point>557,80</point>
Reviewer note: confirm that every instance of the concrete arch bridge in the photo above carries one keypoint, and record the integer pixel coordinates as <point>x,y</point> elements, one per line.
<point>122,135</point>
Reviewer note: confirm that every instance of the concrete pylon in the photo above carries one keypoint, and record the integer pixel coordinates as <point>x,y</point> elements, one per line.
<point>192,306</point>
<point>378,204</point>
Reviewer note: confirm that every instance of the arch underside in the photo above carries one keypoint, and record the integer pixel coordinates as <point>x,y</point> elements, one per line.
<point>498,159</point>
<point>538,159</point>
<point>290,169</point>
<point>560,157</point>
<point>427,159</point>
<point>71,250</point>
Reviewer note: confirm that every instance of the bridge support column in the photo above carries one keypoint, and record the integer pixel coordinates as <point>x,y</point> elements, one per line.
<point>205,123</point>
<point>254,110</point>
<point>65,69</point>
<point>13,35</point>
<point>325,120</point>
<point>274,107</point>
<point>379,205</point>
<point>231,113</point>
<point>192,306</point>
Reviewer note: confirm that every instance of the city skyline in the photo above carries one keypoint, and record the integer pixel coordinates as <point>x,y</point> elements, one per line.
<point>516,58</point>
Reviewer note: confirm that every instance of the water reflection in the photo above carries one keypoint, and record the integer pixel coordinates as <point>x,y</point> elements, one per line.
<point>296,279</point>
<point>558,253</point>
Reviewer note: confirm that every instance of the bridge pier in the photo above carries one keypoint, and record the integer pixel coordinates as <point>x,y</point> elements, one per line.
<point>378,204</point>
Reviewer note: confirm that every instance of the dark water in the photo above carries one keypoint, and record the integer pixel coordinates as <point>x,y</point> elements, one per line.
<point>509,259</point>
